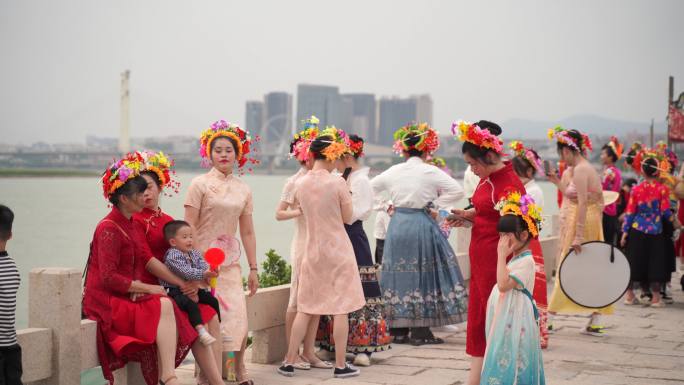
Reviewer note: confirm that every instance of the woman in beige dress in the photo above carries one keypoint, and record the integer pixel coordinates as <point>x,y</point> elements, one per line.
<point>329,281</point>
<point>216,203</point>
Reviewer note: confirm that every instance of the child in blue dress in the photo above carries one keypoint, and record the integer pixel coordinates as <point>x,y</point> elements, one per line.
<point>513,354</point>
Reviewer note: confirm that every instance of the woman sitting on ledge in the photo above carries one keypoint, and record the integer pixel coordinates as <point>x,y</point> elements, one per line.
<point>135,321</point>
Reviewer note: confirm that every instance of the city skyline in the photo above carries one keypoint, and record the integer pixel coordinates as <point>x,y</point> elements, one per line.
<point>195,63</point>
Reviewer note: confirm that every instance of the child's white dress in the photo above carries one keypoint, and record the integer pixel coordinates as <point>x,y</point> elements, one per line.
<point>513,354</point>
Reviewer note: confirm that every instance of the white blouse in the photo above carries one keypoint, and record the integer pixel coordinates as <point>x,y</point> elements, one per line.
<point>535,192</point>
<point>362,194</point>
<point>414,183</point>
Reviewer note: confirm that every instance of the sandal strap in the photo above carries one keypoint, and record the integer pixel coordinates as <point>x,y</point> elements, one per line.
<point>167,380</point>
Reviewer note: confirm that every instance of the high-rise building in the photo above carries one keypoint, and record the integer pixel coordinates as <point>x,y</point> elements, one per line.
<point>322,101</point>
<point>363,116</point>
<point>396,112</point>
<point>423,108</point>
<point>254,117</point>
<point>277,119</point>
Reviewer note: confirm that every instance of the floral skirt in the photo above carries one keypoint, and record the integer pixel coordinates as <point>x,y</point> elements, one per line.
<point>421,281</point>
<point>368,331</point>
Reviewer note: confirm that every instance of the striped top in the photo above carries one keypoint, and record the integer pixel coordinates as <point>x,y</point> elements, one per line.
<point>9,284</point>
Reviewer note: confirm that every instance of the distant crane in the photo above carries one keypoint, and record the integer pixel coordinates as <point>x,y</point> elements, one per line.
<point>124,118</point>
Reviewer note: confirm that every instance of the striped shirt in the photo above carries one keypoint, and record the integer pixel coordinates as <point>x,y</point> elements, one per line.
<point>189,266</point>
<point>9,284</point>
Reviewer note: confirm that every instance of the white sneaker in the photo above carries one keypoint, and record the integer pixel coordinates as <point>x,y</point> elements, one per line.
<point>206,339</point>
<point>362,359</point>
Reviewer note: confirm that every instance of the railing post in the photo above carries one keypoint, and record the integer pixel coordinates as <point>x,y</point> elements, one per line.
<point>55,303</point>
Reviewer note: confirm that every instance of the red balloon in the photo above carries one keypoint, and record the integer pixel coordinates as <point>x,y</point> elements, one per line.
<point>214,256</point>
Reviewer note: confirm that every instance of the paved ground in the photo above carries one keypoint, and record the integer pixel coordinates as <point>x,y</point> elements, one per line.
<point>643,346</point>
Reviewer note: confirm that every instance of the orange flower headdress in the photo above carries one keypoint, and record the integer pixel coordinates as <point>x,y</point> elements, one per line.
<point>162,166</point>
<point>428,142</point>
<point>514,203</point>
<point>299,148</point>
<point>339,145</point>
<point>472,133</point>
<point>121,171</point>
<point>224,129</point>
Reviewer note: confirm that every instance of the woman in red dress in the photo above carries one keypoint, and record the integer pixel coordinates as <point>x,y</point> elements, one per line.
<point>482,150</point>
<point>136,321</point>
<point>150,221</point>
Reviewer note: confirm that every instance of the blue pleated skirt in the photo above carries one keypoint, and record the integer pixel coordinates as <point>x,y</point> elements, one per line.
<point>421,281</point>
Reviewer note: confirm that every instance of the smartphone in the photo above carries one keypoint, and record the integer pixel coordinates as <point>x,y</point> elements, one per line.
<point>549,168</point>
<point>466,222</point>
<point>346,173</point>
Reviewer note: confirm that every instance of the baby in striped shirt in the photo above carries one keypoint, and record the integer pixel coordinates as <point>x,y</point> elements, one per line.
<point>187,263</point>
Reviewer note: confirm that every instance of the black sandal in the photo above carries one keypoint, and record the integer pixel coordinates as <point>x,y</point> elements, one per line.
<point>246,382</point>
<point>426,341</point>
<point>401,340</point>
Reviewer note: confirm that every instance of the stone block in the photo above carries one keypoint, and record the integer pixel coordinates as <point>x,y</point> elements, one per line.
<point>89,357</point>
<point>269,345</point>
<point>36,353</point>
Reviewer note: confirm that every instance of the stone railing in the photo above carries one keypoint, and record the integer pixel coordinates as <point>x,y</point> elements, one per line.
<point>57,346</point>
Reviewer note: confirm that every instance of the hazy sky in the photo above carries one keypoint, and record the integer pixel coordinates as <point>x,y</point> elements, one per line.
<point>193,62</point>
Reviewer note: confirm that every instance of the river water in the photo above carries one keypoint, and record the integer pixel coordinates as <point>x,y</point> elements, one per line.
<point>55,219</point>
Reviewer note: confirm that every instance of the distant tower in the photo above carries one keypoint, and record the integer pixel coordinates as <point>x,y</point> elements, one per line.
<point>124,134</point>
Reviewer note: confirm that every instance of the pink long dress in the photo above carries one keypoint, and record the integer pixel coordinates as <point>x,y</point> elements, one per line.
<point>329,281</point>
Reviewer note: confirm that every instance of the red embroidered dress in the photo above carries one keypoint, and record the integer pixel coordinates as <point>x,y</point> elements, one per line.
<point>126,330</point>
<point>483,255</point>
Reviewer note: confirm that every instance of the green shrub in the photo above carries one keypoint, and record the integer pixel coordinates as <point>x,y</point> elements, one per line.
<point>274,271</point>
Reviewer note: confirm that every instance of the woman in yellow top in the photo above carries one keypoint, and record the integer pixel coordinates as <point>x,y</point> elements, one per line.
<point>582,217</point>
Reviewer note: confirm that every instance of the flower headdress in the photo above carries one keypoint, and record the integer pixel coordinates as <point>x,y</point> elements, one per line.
<point>523,206</point>
<point>119,172</point>
<point>661,147</point>
<point>440,163</point>
<point>616,146</point>
<point>562,136</point>
<point>526,153</point>
<point>428,142</point>
<point>224,129</point>
<point>356,147</point>
<point>339,143</point>
<point>302,140</point>
<point>161,165</point>
<point>472,133</point>
<point>646,153</point>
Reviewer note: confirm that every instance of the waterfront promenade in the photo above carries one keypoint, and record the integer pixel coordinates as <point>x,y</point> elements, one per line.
<point>643,346</point>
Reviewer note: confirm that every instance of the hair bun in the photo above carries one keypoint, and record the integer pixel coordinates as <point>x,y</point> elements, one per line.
<point>492,127</point>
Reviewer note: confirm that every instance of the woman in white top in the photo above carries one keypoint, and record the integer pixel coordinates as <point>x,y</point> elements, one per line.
<point>421,280</point>
<point>526,164</point>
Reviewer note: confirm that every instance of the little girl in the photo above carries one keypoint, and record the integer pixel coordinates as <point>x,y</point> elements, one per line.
<point>513,354</point>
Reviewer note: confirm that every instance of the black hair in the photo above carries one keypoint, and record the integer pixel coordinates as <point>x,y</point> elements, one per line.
<point>576,137</point>
<point>629,158</point>
<point>133,186</point>
<point>480,153</point>
<point>515,224</point>
<point>650,167</point>
<point>411,140</point>
<point>154,176</point>
<point>172,227</point>
<point>631,182</point>
<point>610,152</point>
<point>231,140</point>
<point>522,165</point>
<point>6,220</point>
<point>355,139</point>
<point>318,145</point>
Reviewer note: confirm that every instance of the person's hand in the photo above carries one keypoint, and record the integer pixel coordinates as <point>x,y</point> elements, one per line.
<point>553,178</point>
<point>390,210</point>
<point>134,296</point>
<point>434,214</point>
<point>252,282</point>
<point>194,298</point>
<point>462,216</point>
<point>189,288</point>
<point>623,240</point>
<point>505,247</point>
<point>156,290</point>
<point>577,246</point>
<point>210,274</point>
